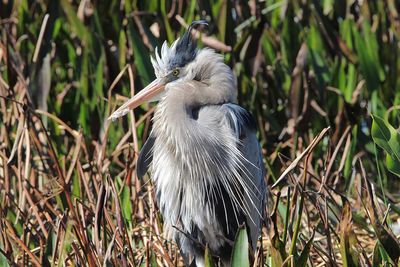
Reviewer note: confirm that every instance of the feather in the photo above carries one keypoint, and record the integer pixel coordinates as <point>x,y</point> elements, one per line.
<point>205,160</point>
<point>145,157</point>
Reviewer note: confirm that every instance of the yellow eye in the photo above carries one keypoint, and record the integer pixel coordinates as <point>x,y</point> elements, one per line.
<point>175,72</point>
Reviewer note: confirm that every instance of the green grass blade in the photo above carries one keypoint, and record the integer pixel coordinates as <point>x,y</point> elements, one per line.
<point>240,253</point>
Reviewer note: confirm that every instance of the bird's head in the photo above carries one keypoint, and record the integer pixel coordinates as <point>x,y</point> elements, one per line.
<point>180,63</point>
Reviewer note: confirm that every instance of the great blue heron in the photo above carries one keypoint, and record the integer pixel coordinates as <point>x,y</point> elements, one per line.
<point>203,153</point>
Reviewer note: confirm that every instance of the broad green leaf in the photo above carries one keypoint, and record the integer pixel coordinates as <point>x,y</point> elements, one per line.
<point>393,164</point>
<point>366,45</point>
<point>386,237</point>
<point>380,133</point>
<point>240,253</point>
<point>385,136</point>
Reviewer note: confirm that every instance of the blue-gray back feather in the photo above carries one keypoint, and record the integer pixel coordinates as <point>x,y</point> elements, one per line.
<point>145,157</point>
<point>240,119</point>
<point>244,126</point>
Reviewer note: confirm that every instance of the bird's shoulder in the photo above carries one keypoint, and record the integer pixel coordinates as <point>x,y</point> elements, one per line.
<point>236,117</point>
<point>145,156</point>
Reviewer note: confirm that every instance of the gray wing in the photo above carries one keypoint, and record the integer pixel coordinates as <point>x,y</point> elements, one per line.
<point>244,126</point>
<point>145,156</point>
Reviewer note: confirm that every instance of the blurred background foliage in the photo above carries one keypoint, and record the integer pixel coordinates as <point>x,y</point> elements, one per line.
<point>301,66</point>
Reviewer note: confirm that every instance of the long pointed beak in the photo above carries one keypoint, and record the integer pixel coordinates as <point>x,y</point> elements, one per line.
<point>147,93</point>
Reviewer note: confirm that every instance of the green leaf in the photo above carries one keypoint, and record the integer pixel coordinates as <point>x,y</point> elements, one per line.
<point>366,45</point>
<point>376,256</point>
<point>126,204</point>
<point>380,133</point>
<point>76,187</point>
<point>122,49</point>
<point>278,252</point>
<point>393,164</point>
<point>3,258</point>
<point>153,259</point>
<point>142,58</point>
<point>387,137</point>
<point>240,253</point>
<point>76,24</point>
<point>99,81</point>
<point>168,29</point>
<point>302,262</point>
<point>208,259</point>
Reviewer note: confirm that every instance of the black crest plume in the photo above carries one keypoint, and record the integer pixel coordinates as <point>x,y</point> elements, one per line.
<point>186,46</point>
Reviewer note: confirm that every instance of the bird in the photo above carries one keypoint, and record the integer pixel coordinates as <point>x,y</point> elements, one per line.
<point>202,152</point>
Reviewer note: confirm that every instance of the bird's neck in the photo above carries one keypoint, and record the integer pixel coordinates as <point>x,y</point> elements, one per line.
<point>174,114</point>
